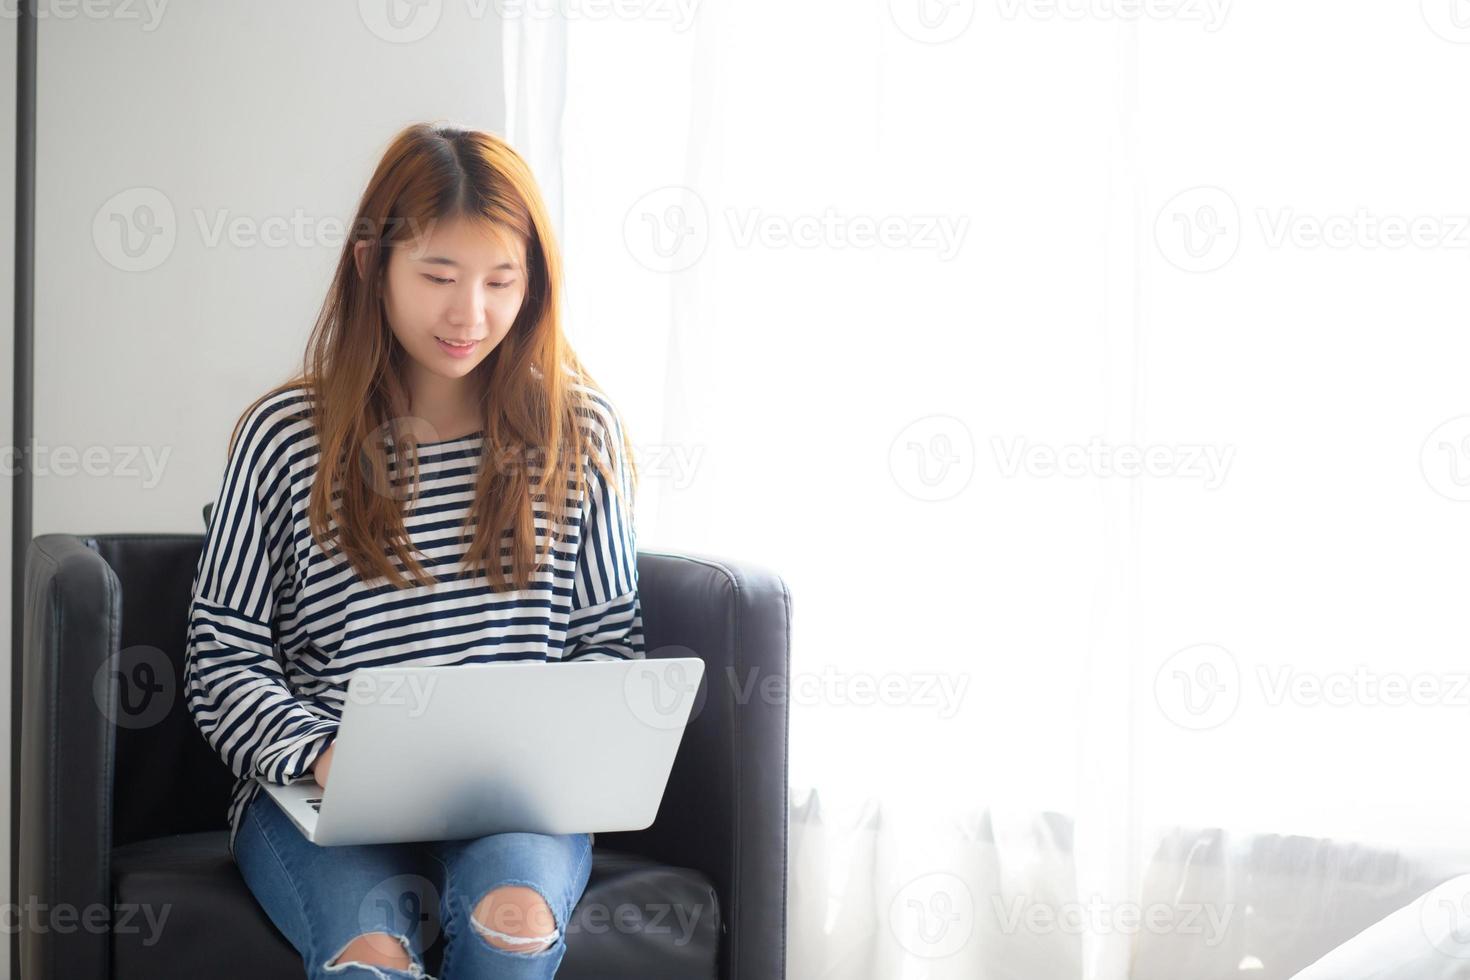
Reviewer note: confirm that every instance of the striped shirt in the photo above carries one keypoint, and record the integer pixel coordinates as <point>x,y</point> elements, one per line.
<point>276,627</point>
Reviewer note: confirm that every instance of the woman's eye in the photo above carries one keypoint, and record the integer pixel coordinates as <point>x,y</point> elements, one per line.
<point>440,280</point>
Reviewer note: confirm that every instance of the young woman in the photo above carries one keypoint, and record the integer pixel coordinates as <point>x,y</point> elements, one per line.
<point>443,483</point>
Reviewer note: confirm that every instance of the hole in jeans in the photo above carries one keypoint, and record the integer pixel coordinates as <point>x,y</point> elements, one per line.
<point>336,964</point>
<point>517,917</point>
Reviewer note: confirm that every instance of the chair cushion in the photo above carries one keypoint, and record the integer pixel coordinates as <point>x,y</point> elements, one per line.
<point>213,925</point>
<point>637,918</point>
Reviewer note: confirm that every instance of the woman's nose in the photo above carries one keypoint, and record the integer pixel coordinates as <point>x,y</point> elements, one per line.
<point>468,308</point>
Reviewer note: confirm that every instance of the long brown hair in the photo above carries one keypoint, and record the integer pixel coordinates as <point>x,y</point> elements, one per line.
<point>539,410</point>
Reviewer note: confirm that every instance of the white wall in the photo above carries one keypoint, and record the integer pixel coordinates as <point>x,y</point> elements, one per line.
<point>256,111</point>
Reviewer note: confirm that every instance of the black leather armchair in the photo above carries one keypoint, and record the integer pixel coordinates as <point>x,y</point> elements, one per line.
<point>124,870</point>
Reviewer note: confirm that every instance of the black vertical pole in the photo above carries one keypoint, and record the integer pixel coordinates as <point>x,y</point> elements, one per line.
<point>20,523</point>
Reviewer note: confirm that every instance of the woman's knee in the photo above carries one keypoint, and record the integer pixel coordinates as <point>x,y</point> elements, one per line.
<point>374,949</point>
<point>515,918</point>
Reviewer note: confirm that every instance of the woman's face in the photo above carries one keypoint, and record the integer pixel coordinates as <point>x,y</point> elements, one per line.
<point>456,285</point>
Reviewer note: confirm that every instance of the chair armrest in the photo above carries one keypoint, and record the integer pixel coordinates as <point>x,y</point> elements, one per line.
<point>72,626</point>
<point>725,809</point>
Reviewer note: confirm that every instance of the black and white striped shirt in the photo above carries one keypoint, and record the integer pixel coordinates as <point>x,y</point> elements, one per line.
<point>276,627</point>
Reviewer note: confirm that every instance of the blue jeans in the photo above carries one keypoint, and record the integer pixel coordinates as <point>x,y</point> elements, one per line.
<point>322,898</point>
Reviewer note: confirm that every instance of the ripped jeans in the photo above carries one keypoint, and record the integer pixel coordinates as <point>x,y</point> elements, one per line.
<point>324,898</point>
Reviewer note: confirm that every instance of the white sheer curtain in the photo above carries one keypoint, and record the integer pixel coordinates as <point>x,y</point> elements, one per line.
<point>1094,375</point>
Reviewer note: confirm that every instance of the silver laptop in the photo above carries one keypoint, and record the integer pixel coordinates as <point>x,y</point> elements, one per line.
<point>445,753</point>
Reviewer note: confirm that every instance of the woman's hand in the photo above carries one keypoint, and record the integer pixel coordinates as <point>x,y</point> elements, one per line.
<point>322,764</point>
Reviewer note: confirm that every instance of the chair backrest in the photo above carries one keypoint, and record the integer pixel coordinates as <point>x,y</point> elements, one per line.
<point>167,778</point>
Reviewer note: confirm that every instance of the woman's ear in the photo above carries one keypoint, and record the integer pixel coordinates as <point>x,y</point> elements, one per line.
<point>359,256</point>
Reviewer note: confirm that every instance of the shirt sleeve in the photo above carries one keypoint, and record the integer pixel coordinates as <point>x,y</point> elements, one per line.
<point>234,682</point>
<point>606,621</point>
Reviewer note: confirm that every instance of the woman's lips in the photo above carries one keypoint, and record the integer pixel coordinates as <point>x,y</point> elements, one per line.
<point>456,350</point>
